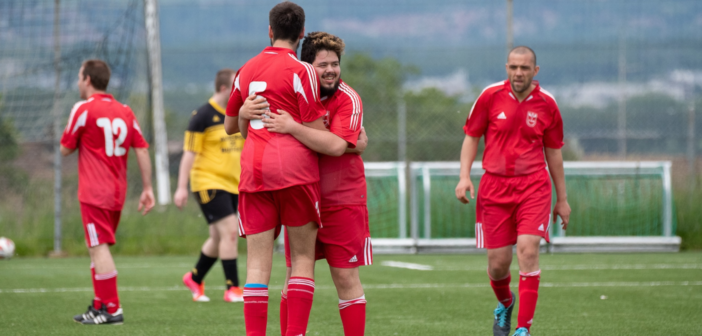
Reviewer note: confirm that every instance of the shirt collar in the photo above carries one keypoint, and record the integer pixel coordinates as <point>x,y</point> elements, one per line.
<point>279,50</point>
<point>216,106</point>
<point>102,95</point>
<point>536,91</point>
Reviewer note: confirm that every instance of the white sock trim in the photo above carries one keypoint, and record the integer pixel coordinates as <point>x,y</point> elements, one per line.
<point>346,303</point>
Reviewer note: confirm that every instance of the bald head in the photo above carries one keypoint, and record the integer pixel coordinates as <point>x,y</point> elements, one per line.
<point>523,50</point>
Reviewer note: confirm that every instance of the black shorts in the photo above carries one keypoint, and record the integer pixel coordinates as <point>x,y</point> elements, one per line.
<point>217,204</point>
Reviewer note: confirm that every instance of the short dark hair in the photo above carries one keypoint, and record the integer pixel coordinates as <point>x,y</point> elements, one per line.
<point>287,21</point>
<point>224,77</point>
<point>317,41</point>
<point>99,73</point>
<point>523,50</point>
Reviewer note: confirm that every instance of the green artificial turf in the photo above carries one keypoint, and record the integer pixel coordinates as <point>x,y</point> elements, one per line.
<point>581,294</point>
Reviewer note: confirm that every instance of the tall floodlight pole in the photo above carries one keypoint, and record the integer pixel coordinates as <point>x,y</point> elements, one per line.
<point>510,36</point>
<point>153,45</point>
<point>56,114</point>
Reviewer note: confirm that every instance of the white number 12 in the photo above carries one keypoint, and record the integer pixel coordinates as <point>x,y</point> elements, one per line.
<point>116,127</point>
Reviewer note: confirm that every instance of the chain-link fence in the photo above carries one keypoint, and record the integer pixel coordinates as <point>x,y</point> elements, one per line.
<point>626,74</point>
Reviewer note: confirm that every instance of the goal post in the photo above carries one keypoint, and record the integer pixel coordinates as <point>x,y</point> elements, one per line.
<point>617,206</point>
<point>153,46</point>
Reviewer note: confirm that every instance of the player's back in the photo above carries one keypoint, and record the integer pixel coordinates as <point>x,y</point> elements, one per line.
<point>103,130</point>
<point>272,161</point>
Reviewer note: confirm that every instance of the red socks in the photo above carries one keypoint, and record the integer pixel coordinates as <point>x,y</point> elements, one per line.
<point>105,286</point>
<point>528,294</point>
<point>300,296</point>
<point>501,289</point>
<point>353,316</point>
<point>97,304</point>
<point>283,313</point>
<point>255,309</point>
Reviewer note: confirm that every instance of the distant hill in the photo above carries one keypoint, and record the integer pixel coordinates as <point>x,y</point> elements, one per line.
<point>576,41</point>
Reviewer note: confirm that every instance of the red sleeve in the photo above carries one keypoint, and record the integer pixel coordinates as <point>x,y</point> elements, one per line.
<point>75,127</point>
<point>348,119</point>
<point>138,140</point>
<point>306,85</point>
<point>553,134</point>
<point>235,99</point>
<point>477,121</point>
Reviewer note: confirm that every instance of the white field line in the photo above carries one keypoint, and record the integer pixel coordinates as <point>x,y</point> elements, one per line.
<point>376,286</point>
<point>87,265</point>
<point>586,267</point>
<point>399,264</point>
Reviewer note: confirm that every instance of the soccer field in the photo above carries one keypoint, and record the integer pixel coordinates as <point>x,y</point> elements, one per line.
<point>618,294</point>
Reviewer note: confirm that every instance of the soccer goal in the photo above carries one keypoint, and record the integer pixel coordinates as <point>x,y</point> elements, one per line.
<point>617,206</point>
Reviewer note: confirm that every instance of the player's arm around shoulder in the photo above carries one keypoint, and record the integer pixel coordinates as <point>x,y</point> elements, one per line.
<point>312,134</point>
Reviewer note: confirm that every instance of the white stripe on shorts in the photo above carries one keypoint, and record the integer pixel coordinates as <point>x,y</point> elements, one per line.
<point>92,234</point>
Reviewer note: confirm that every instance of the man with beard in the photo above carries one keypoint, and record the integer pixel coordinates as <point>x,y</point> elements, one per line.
<point>345,238</point>
<point>279,175</point>
<point>521,122</point>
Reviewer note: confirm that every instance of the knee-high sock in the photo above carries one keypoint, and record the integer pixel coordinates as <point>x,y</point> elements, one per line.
<point>300,297</point>
<point>106,288</point>
<point>204,263</point>
<point>353,316</point>
<point>97,304</point>
<point>501,289</point>
<point>528,294</point>
<point>283,313</point>
<point>256,309</point>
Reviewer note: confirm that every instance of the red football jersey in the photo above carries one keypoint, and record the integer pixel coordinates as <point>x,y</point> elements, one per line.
<point>103,130</point>
<point>343,178</point>
<point>515,133</point>
<point>272,161</point>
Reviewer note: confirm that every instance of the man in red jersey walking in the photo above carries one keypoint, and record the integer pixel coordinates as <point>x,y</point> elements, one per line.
<point>102,130</point>
<point>521,124</point>
<point>345,238</point>
<point>279,175</point>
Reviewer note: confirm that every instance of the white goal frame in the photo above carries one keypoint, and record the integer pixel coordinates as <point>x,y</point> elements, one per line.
<point>411,243</point>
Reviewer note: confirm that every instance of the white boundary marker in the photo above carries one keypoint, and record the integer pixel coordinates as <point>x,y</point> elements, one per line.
<point>376,286</point>
<point>400,264</point>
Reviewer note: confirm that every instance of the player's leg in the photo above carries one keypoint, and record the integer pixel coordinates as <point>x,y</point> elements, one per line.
<point>284,303</point>
<point>352,300</point>
<point>300,291</point>
<point>258,222</point>
<point>346,244</point>
<point>228,229</point>
<point>533,219</point>
<point>300,213</point>
<point>209,252</point>
<point>529,278</point>
<point>100,226</point>
<point>259,261</point>
<point>496,230</point>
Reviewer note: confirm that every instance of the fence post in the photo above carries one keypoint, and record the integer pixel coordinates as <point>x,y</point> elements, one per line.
<point>56,114</point>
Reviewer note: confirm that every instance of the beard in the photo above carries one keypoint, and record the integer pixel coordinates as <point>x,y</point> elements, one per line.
<point>525,86</point>
<point>328,92</point>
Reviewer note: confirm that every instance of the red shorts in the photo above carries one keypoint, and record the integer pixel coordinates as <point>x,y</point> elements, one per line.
<point>265,210</point>
<point>511,206</point>
<point>99,224</point>
<point>345,239</point>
